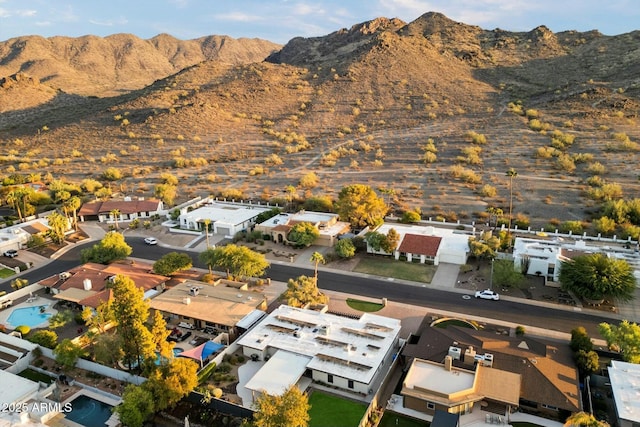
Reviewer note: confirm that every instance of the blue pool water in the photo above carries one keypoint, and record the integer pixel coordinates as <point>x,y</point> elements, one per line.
<point>30,316</point>
<point>89,412</point>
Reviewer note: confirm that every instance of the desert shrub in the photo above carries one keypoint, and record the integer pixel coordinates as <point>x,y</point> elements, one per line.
<point>571,226</point>
<point>546,152</point>
<point>429,157</point>
<point>595,181</point>
<point>596,168</point>
<point>604,225</point>
<point>606,192</point>
<point>488,191</point>
<point>566,163</point>
<point>476,138</point>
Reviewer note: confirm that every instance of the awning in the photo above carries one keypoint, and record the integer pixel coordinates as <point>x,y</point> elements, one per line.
<point>202,351</point>
<point>283,370</point>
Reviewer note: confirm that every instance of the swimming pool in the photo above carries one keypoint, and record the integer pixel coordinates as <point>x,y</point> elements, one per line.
<point>30,316</point>
<point>176,352</point>
<point>89,412</point>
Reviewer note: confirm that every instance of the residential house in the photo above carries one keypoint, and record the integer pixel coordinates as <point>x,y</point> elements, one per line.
<point>549,378</point>
<point>16,236</point>
<point>88,285</point>
<point>427,244</point>
<point>303,346</point>
<point>431,386</point>
<point>224,307</point>
<point>327,224</point>
<point>130,209</point>
<point>224,218</point>
<point>625,383</point>
<point>544,257</point>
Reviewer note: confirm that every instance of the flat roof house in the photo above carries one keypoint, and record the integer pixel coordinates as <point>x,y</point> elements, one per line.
<point>226,218</point>
<point>327,224</point>
<point>349,354</point>
<point>88,285</point>
<point>202,305</point>
<point>625,383</point>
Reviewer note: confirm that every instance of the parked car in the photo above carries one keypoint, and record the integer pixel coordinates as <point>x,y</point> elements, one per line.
<point>11,253</point>
<point>151,241</point>
<point>487,294</point>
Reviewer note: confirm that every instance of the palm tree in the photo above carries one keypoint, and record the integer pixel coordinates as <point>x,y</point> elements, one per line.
<point>13,198</point>
<point>115,214</point>
<point>583,419</point>
<point>511,173</point>
<point>206,223</point>
<point>73,204</point>
<point>317,258</point>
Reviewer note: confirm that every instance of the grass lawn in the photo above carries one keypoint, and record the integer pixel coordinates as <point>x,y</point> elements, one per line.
<point>36,376</point>
<point>332,411</point>
<point>366,306</point>
<point>389,267</point>
<point>6,272</point>
<point>453,322</point>
<point>389,419</point>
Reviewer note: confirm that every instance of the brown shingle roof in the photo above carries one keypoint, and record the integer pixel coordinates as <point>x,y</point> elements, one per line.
<point>124,206</point>
<point>547,368</point>
<point>420,245</point>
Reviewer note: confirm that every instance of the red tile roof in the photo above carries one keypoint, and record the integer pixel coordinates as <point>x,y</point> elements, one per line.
<point>124,206</point>
<point>420,245</point>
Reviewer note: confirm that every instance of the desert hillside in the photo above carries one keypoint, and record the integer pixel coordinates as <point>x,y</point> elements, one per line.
<point>431,112</point>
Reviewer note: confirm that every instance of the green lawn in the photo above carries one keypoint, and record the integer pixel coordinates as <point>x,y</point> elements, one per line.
<point>454,322</point>
<point>365,306</point>
<point>36,376</point>
<point>389,419</point>
<point>389,267</point>
<point>332,411</point>
<point>6,272</point>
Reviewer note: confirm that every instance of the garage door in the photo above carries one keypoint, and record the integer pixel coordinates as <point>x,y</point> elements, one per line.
<point>225,231</point>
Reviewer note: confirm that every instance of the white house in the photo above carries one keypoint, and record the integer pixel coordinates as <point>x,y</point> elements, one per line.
<point>428,244</point>
<point>544,257</point>
<point>225,218</point>
<point>625,382</point>
<point>17,235</point>
<point>298,344</point>
<point>327,224</point>
<point>129,209</point>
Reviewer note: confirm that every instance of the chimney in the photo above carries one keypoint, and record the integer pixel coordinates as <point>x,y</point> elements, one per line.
<point>86,283</point>
<point>469,355</point>
<point>448,362</point>
<point>186,300</point>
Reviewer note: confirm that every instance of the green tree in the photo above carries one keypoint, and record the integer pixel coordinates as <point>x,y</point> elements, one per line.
<point>596,276</point>
<point>131,311</point>
<point>290,409</point>
<point>587,362</point>
<point>137,406</point>
<point>584,419</point>
<point>411,217</point>
<point>265,215</point>
<point>390,243</point>
<point>67,353</point>
<point>303,234</point>
<point>60,319</point>
<point>166,193</point>
<point>303,291</point>
<point>580,340</point>
<point>112,247</point>
<point>172,263</point>
<point>160,333</point>
<point>316,258</point>
<point>44,338</point>
<point>112,174</point>
<point>99,318</point>
<point>485,246</point>
<point>345,248</point>
<point>19,283</point>
<point>624,338</point>
<point>318,204</point>
<point>237,261</point>
<point>375,240</point>
<point>604,225</point>
<point>107,349</point>
<point>72,205</point>
<point>171,382</point>
<point>359,205</point>
<point>58,226</point>
<point>505,275</point>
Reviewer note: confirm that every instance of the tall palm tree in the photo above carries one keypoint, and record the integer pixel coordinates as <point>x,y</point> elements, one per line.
<point>73,204</point>
<point>317,258</point>
<point>511,173</point>
<point>206,223</point>
<point>115,214</point>
<point>13,199</point>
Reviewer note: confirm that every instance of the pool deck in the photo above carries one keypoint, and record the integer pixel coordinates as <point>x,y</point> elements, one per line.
<point>27,302</point>
<point>102,397</point>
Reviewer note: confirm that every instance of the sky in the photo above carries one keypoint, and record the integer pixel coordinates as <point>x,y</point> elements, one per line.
<point>281,20</point>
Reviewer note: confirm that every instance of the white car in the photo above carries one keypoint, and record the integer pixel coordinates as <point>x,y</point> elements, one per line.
<point>151,240</point>
<point>487,294</point>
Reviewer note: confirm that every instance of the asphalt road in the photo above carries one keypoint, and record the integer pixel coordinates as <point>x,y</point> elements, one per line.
<point>509,311</point>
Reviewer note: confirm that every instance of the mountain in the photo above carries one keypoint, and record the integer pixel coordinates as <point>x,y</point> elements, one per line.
<point>119,63</point>
<point>362,104</point>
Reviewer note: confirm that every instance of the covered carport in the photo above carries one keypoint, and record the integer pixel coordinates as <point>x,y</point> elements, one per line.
<point>279,373</point>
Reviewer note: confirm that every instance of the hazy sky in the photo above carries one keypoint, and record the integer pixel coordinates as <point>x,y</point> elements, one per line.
<point>281,20</point>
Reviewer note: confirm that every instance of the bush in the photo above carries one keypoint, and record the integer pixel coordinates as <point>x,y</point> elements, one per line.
<point>224,368</point>
<point>520,331</point>
<point>38,362</point>
<point>45,338</point>
<point>206,372</point>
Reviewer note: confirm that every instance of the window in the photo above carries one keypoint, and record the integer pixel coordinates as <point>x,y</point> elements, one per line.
<point>431,405</point>
<point>330,378</point>
<point>350,384</point>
